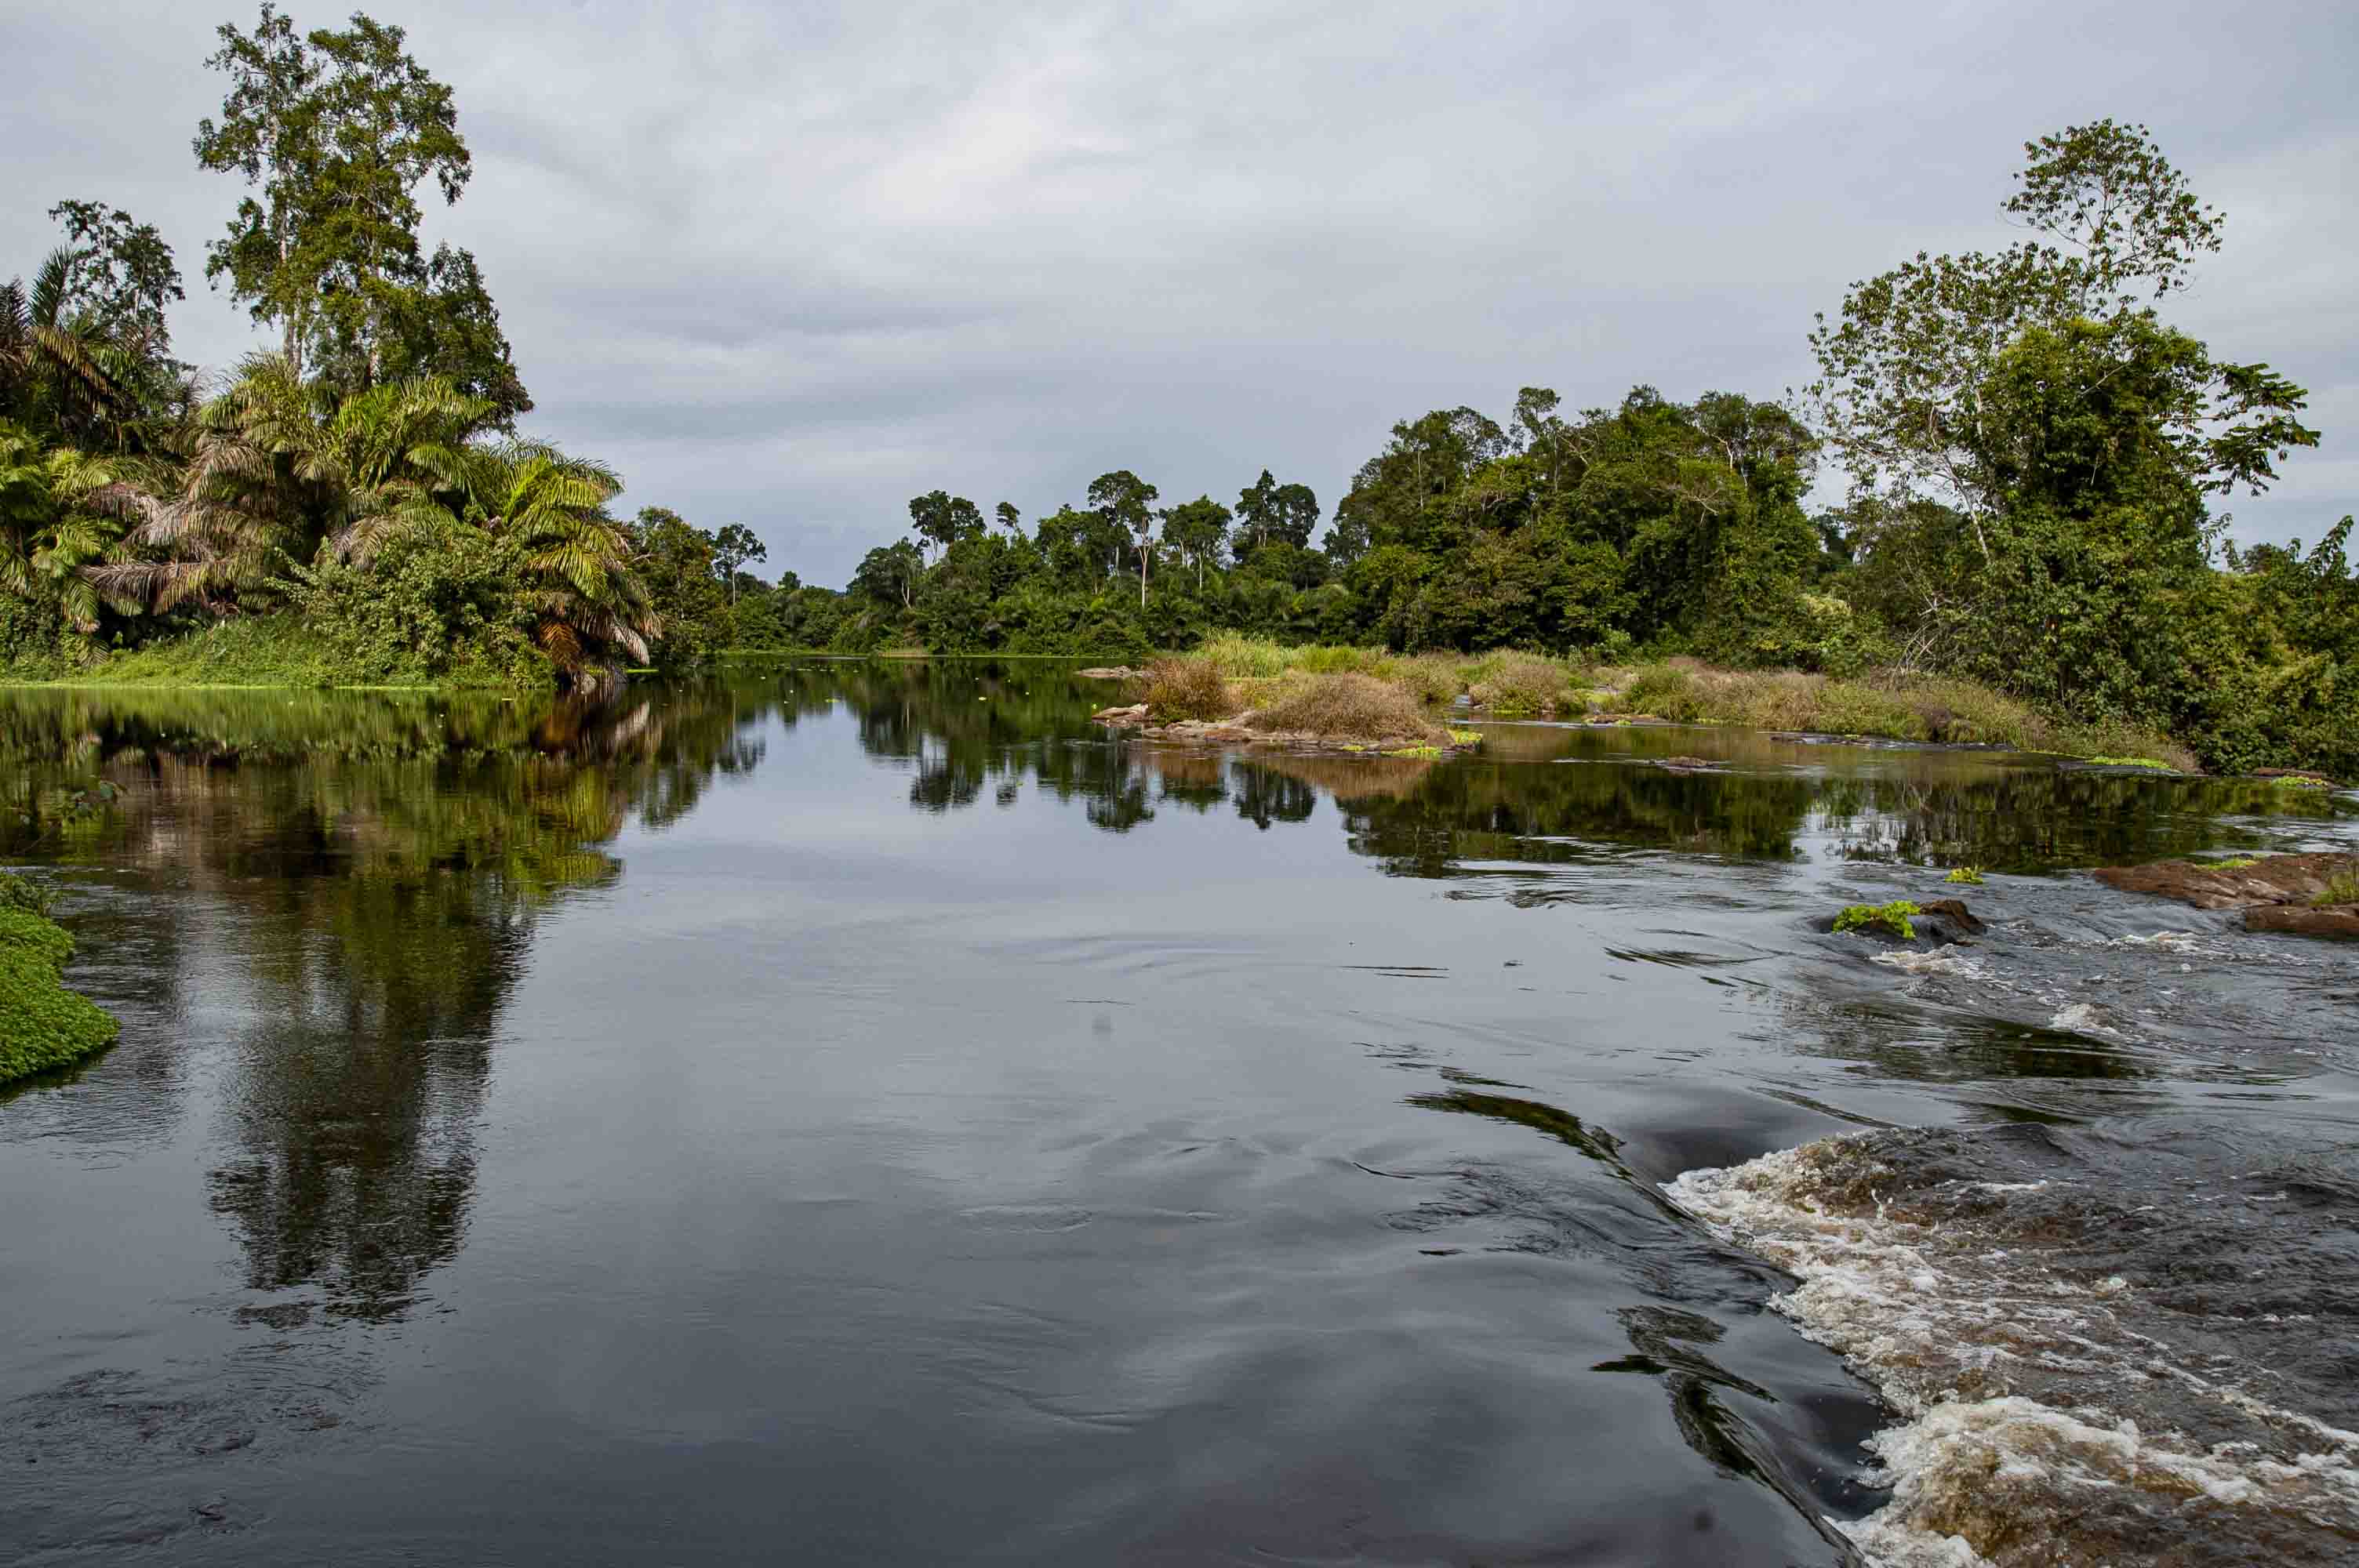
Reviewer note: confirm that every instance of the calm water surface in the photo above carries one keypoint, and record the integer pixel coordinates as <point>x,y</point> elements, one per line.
<point>863,1113</point>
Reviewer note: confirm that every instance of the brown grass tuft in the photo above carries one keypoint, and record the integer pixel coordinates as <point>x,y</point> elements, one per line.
<point>1352,706</point>
<point>1188,688</point>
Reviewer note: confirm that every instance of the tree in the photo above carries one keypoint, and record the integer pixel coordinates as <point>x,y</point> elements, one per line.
<point>732,548</point>
<point>941,519</point>
<point>1010,518</point>
<point>1197,529</point>
<point>124,276</point>
<point>1900,376</point>
<point>336,131</point>
<point>1126,503</point>
<point>1269,511</point>
<point>889,574</point>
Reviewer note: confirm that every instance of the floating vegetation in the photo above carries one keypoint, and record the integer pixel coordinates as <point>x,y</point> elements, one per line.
<point>42,1024</point>
<point>1893,917</point>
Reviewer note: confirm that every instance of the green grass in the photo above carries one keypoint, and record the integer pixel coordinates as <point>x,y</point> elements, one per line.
<point>2134,762</point>
<point>42,1024</point>
<point>1892,917</point>
<point>2341,888</point>
<point>1964,876</point>
<point>2296,781</point>
<point>258,651</point>
<point>2233,863</point>
<point>1466,737</point>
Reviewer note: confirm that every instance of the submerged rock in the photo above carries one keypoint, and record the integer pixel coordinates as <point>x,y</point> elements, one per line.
<point>1111,672</point>
<point>2238,885</point>
<point>2305,920</point>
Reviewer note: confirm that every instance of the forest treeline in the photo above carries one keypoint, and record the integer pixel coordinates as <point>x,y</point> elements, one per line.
<point>2031,457</point>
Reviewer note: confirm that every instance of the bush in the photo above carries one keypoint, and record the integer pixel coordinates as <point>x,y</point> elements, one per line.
<point>29,898</point>
<point>1189,688</point>
<point>1351,706</point>
<point>1666,691</point>
<point>432,604</point>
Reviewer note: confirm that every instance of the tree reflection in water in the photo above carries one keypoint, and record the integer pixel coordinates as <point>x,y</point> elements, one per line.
<point>380,865</point>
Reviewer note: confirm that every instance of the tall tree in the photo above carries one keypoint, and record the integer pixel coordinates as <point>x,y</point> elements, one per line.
<point>1197,529</point>
<point>1126,503</point>
<point>336,131</point>
<point>1901,375</point>
<point>732,548</point>
<point>941,519</point>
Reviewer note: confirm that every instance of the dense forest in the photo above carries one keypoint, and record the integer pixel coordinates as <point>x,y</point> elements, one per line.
<point>2029,450</point>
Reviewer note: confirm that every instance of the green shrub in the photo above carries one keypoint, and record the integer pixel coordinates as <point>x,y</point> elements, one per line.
<point>1666,691</point>
<point>1964,876</point>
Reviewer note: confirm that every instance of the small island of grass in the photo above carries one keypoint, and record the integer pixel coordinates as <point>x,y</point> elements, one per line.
<point>43,1026</point>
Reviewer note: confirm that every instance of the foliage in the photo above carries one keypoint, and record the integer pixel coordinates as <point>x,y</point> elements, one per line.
<point>27,898</point>
<point>43,1026</point>
<point>1964,876</point>
<point>2131,762</point>
<point>1893,917</point>
<point>335,131</point>
<point>437,603</point>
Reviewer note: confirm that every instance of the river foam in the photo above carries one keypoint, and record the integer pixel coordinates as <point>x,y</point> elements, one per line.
<point>2098,1354</point>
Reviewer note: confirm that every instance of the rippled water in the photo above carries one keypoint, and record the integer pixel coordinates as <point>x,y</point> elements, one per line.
<point>860,1112</point>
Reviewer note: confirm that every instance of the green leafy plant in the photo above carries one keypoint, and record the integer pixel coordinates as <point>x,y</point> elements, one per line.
<point>1965,876</point>
<point>1893,917</point>
<point>42,1024</point>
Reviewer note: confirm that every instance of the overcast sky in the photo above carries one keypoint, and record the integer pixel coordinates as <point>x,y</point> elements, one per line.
<point>791,265</point>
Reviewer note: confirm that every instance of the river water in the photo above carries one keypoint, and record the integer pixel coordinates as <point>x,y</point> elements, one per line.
<point>863,1113</point>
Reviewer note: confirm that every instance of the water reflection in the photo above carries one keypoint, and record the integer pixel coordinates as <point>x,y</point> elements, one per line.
<point>383,858</point>
<point>379,866</point>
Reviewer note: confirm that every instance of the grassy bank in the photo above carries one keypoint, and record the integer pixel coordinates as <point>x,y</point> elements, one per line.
<point>43,1026</point>
<point>1235,673</point>
<point>253,651</point>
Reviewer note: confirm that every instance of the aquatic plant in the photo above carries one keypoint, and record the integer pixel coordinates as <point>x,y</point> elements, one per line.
<point>2131,762</point>
<point>1465,737</point>
<point>42,1024</point>
<point>1415,751</point>
<point>1892,917</point>
<point>1966,876</point>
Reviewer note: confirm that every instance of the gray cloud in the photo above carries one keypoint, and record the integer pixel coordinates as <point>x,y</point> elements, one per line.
<point>790,266</point>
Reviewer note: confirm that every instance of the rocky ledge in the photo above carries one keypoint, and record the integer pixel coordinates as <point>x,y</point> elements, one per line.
<point>2276,893</point>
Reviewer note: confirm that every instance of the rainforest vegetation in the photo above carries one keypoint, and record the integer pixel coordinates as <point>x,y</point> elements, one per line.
<point>2028,458</point>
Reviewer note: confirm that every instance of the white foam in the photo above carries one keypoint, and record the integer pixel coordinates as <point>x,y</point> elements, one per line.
<point>1940,961</point>
<point>1944,1324</point>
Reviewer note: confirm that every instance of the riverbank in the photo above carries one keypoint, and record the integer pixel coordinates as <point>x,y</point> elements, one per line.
<point>1882,704</point>
<point>265,651</point>
<point>43,1026</point>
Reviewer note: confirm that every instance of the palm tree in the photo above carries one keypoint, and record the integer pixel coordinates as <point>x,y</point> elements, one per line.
<point>50,526</point>
<point>61,371</point>
<point>573,560</point>
<point>283,469</point>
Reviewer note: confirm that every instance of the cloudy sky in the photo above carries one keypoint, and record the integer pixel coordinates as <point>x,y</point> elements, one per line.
<point>791,265</point>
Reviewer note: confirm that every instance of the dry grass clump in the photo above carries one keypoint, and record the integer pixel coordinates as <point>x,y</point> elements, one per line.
<point>1188,688</point>
<point>1351,706</point>
<point>1889,704</point>
<point>1512,684</point>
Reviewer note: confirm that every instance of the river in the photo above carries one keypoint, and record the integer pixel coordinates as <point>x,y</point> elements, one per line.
<point>862,1112</point>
